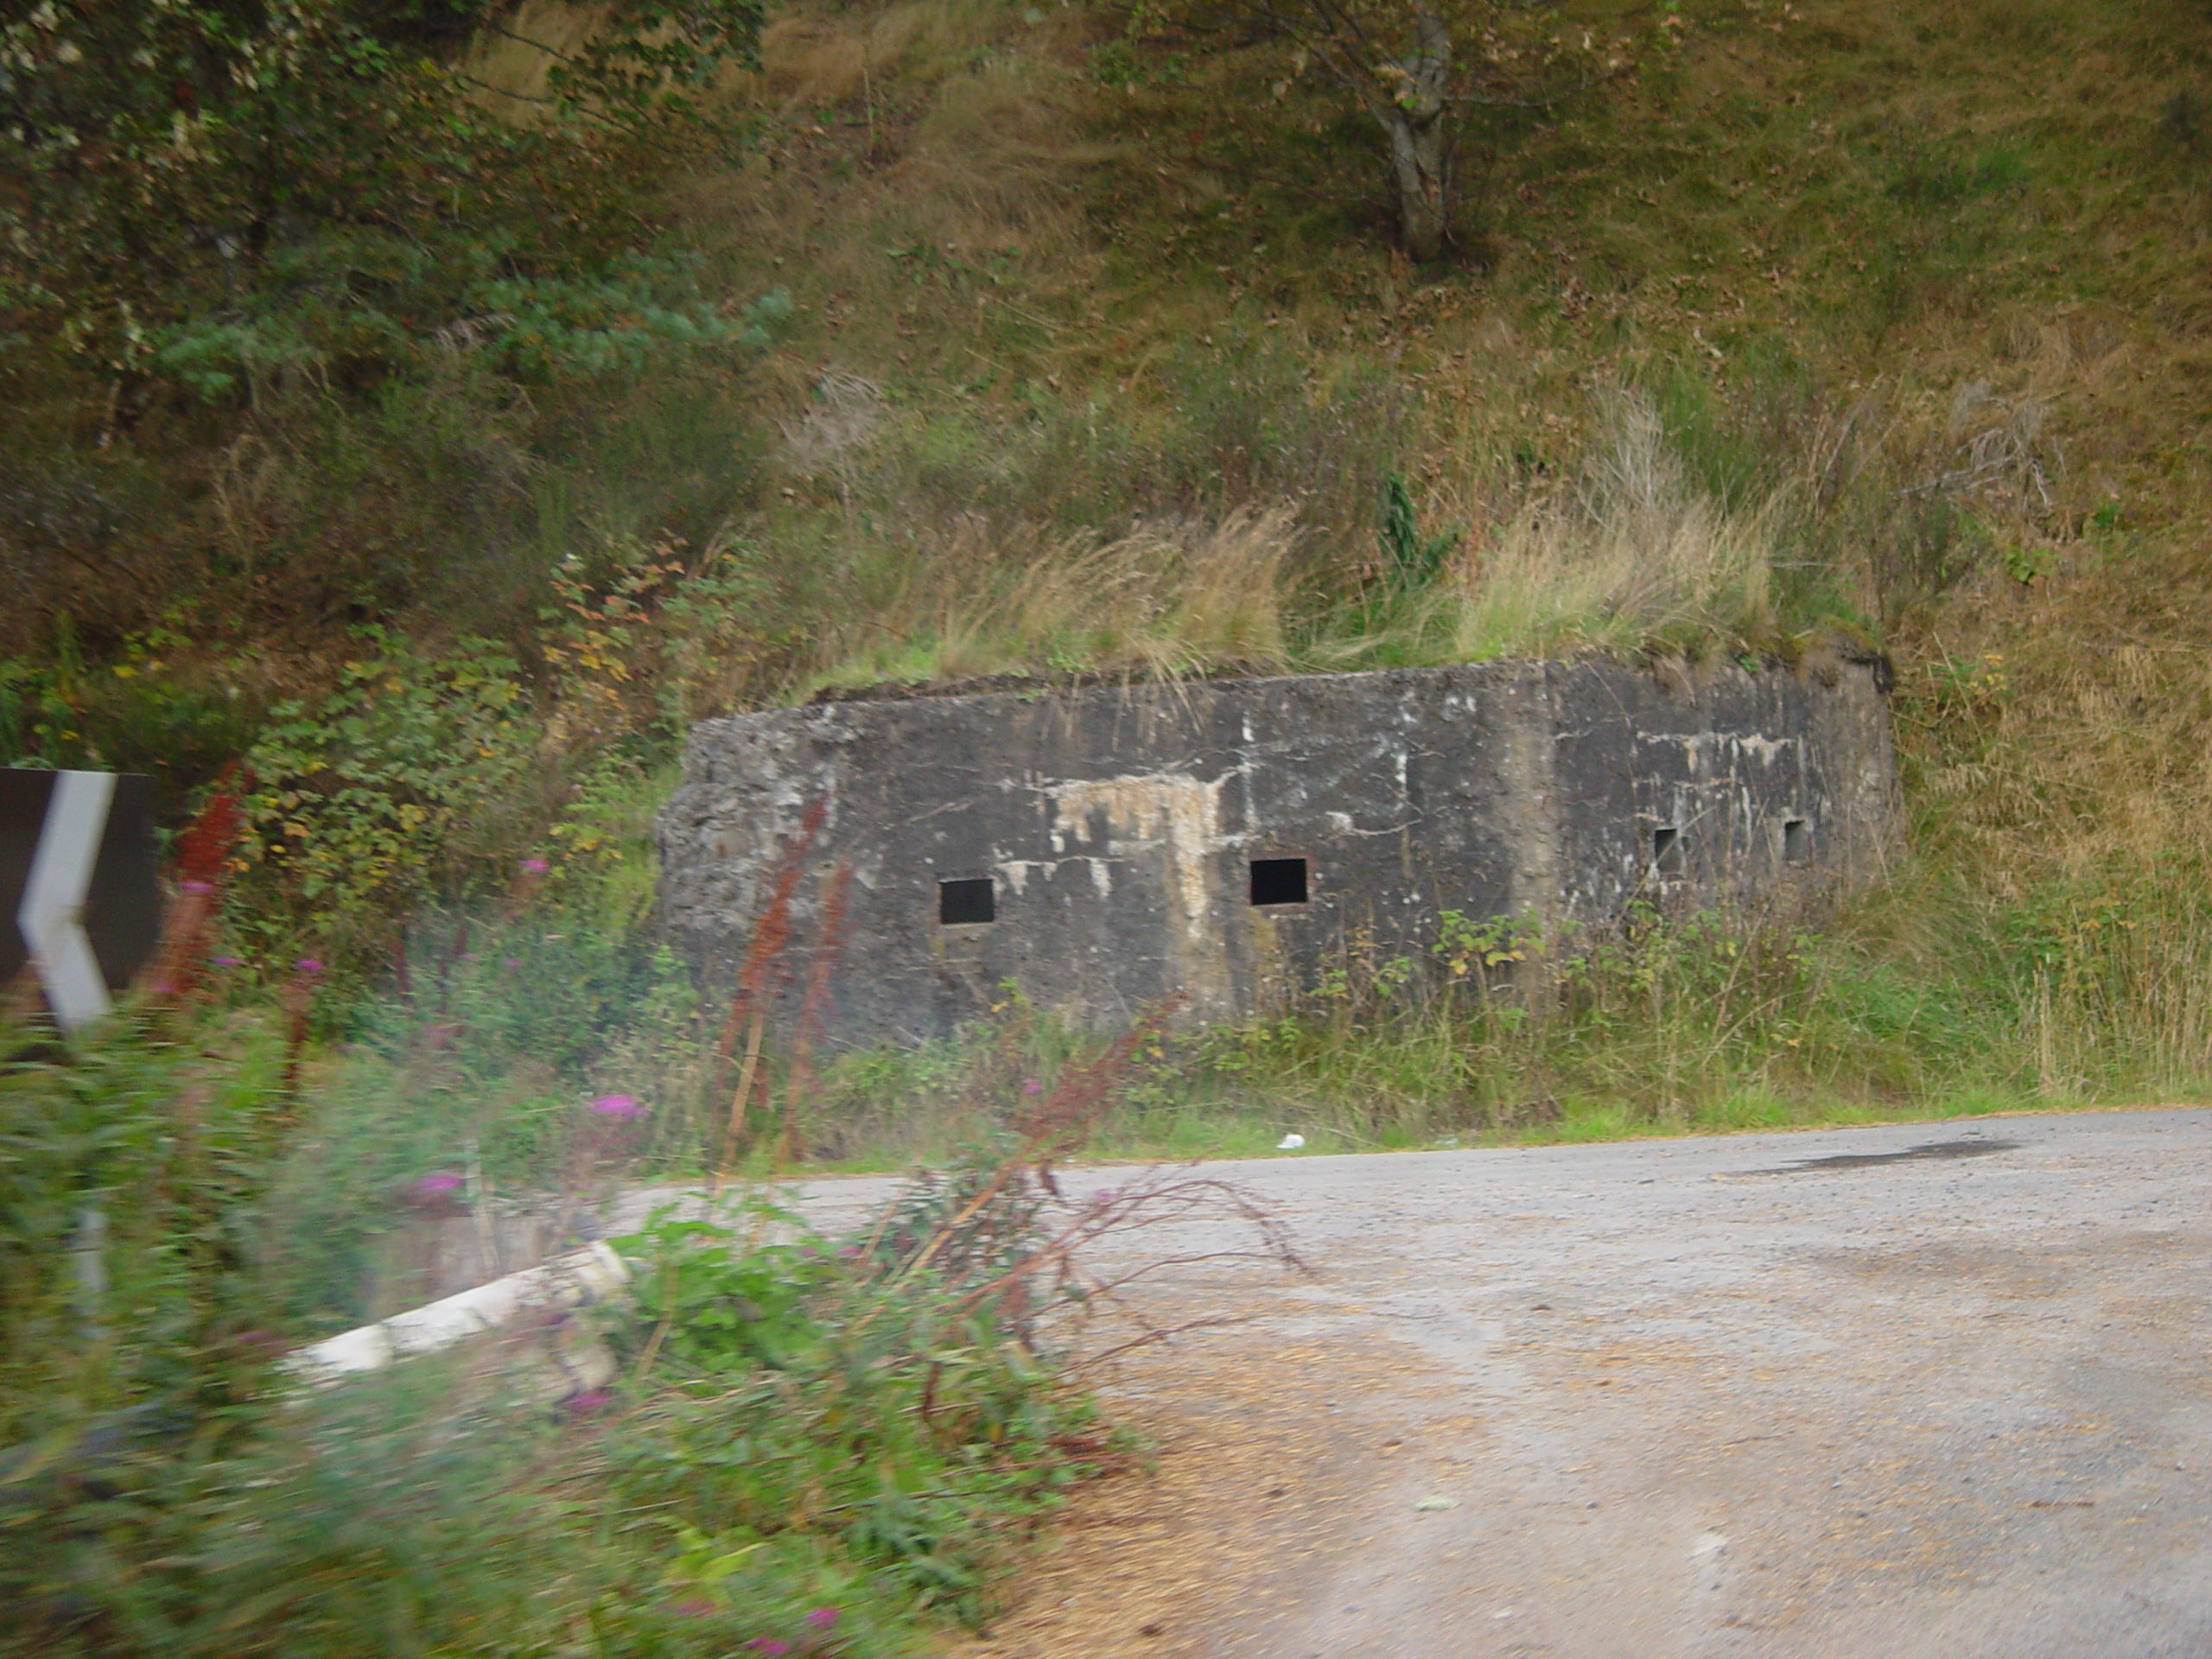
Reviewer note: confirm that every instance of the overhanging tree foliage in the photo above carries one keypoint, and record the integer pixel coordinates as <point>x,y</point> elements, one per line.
<point>208,192</point>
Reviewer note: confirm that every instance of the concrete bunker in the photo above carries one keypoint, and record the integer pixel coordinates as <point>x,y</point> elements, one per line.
<point>1101,847</point>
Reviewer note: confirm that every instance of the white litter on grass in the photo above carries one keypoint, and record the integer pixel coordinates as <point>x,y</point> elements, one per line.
<point>1290,1143</point>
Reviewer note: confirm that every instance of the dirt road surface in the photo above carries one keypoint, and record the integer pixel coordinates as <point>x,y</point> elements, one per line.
<point>1917,1392</point>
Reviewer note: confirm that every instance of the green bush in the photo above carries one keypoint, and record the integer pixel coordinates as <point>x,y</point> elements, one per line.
<point>921,1430</point>
<point>821,1442</point>
<point>396,783</point>
<point>806,1427</point>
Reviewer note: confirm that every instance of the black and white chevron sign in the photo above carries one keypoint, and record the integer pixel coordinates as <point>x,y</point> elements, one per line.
<point>80,898</point>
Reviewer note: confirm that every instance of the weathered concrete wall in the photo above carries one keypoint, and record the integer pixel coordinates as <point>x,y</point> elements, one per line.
<point>1116,827</point>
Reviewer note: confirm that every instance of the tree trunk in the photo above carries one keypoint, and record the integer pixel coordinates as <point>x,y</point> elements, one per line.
<point>1415,120</point>
<point>1417,158</point>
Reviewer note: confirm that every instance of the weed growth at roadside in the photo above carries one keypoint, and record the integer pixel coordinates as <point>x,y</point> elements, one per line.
<point>826,1441</point>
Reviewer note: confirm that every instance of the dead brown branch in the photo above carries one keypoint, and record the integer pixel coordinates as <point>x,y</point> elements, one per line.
<point>1056,1125</point>
<point>1157,1197</point>
<point>814,1008</point>
<point>748,1008</point>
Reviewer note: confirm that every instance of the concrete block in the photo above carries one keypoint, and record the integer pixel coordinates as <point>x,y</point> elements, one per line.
<point>1102,847</point>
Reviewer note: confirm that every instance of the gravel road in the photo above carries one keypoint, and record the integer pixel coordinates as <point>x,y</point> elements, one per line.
<point>1921,1392</point>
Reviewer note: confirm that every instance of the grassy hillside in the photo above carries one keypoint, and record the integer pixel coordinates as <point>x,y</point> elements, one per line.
<point>1080,341</point>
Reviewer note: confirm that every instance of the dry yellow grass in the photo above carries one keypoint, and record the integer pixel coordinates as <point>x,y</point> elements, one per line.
<point>508,63</point>
<point>1164,601</point>
<point>1635,553</point>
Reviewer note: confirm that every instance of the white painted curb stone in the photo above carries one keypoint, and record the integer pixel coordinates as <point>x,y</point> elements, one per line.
<point>591,1274</point>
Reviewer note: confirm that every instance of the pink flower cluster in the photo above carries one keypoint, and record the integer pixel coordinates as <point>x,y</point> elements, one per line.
<point>819,1623</point>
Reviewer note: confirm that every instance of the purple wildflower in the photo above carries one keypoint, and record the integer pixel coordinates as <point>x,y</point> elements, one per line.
<point>308,965</point>
<point>535,866</point>
<point>823,1619</point>
<point>199,887</point>
<point>226,961</point>
<point>589,1403</point>
<point>621,1106</point>
<point>445,1180</point>
<point>1031,1086</point>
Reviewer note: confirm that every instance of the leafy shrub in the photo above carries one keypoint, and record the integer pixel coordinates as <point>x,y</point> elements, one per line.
<point>393,781</point>
<point>320,160</point>
<point>818,1441</point>
<point>914,1414</point>
<point>716,1308</point>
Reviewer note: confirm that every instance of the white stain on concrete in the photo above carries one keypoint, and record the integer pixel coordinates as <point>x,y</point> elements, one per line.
<point>1019,871</point>
<point>1169,816</point>
<point>1170,812</point>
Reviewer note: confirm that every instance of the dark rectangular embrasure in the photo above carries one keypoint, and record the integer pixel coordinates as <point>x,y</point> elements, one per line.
<point>965,901</point>
<point>1278,881</point>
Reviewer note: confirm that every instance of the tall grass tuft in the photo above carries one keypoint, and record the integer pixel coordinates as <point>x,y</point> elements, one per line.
<point>1634,553</point>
